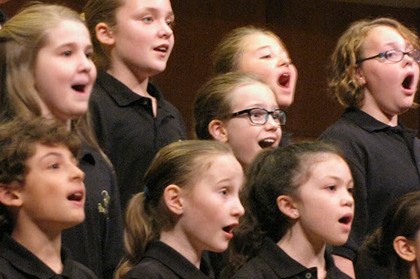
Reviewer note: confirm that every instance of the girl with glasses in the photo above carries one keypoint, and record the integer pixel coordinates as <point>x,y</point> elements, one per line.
<point>374,74</point>
<point>240,110</point>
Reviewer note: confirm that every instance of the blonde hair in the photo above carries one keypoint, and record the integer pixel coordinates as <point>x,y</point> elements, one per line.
<point>95,12</point>
<point>343,64</point>
<point>227,53</point>
<point>181,163</point>
<point>214,100</point>
<point>21,38</point>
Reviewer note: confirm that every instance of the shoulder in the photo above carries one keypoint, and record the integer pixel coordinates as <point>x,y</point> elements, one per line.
<point>80,271</point>
<point>150,269</point>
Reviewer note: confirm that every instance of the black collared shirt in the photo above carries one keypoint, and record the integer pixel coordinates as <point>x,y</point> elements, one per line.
<point>98,242</point>
<point>272,262</point>
<point>128,132</point>
<point>161,261</point>
<point>384,165</point>
<point>17,262</point>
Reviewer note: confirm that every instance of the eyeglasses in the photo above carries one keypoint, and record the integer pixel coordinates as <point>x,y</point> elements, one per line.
<point>394,55</point>
<point>259,116</point>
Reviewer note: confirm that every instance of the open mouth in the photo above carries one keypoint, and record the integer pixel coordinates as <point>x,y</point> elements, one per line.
<point>162,49</point>
<point>284,80</point>
<point>408,81</point>
<point>346,220</point>
<point>229,229</point>
<point>266,143</point>
<point>79,87</point>
<point>78,196</point>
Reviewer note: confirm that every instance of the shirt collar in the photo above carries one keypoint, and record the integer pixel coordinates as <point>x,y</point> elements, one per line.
<point>121,94</point>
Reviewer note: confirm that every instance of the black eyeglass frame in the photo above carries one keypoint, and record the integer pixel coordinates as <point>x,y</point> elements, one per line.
<point>282,120</point>
<point>384,54</point>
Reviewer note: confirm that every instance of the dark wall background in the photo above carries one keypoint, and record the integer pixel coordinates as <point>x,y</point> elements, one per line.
<point>308,28</point>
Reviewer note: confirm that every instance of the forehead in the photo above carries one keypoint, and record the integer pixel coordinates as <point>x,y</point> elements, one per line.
<point>252,94</point>
<point>67,31</point>
<point>259,40</point>
<point>382,35</point>
<point>136,5</point>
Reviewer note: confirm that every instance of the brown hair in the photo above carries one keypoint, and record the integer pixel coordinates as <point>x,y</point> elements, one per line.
<point>274,172</point>
<point>97,11</point>
<point>342,81</point>
<point>214,100</point>
<point>181,163</point>
<point>18,139</point>
<point>227,53</point>
<point>21,38</point>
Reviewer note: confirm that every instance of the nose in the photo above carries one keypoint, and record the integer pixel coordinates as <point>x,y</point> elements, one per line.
<point>86,64</point>
<point>271,123</point>
<point>347,199</point>
<point>166,30</point>
<point>77,174</point>
<point>284,62</point>
<point>237,209</point>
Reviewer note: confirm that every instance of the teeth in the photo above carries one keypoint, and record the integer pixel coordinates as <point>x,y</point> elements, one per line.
<point>266,143</point>
<point>76,196</point>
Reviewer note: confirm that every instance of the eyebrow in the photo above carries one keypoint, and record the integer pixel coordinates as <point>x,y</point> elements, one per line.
<point>153,9</point>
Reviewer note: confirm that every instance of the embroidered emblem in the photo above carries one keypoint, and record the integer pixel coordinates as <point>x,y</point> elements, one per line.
<point>104,205</point>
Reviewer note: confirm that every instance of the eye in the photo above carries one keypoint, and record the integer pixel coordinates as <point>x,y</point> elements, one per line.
<point>257,113</point>
<point>224,191</point>
<point>392,54</point>
<point>67,53</point>
<point>267,56</point>
<point>331,187</point>
<point>147,19</point>
<point>54,166</point>
<point>89,55</point>
<point>350,190</point>
<point>170,23</point>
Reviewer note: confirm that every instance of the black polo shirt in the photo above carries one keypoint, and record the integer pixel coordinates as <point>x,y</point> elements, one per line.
<point>271,262</point>
<point>161,261</point>
<point>98,242</point>
<point>128,132</point>
<point>384,165</point>
<point>17,262</point>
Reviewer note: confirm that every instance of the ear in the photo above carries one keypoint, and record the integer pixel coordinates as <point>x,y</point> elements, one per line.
<point>173,200</point>
<point>10,194</point>
<point>104,34</point>
<point>404,248</point>
<point>288,207</point>
<point>359,77</point>
<point>218,130</point>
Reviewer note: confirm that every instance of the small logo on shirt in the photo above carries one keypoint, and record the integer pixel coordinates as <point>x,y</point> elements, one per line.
<point>103,207</point>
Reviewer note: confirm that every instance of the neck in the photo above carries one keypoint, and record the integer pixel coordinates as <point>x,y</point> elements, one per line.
<point>44,245</point>
<point>137,83</point>
<point>308,251</point>
<point>182,245</point>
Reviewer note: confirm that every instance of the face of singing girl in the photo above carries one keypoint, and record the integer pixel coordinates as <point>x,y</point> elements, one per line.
<point>246,138</point>
<point>142,39</point>
<point>390,87</point>
<point>211,205</point>
<point>265,56</point>
<point>64,72</point>
<point>324,202</point>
